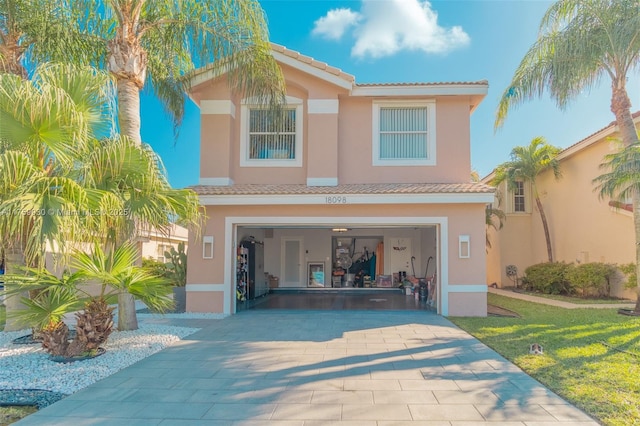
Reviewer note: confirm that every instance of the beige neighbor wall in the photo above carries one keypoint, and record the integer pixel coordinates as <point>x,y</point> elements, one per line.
<point>583,228</point>
<point>462,219</point>
<point>453,158</point>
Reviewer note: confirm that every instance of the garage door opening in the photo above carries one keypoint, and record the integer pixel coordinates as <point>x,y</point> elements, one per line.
<point>336,267</point>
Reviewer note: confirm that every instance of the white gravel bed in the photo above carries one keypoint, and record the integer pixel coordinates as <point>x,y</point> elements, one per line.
<point>29,367</point>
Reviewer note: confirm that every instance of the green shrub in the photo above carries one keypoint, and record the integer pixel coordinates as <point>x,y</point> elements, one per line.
<point>155,267</point>
<point>629,270</point>
<point>591,278</point>
<point>549,278</point>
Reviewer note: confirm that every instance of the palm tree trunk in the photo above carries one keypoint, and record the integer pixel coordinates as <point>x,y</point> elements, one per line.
<point>127,61</point>
<point>636,223</point>
<point>10,56</point>
<point>621,108</point>
<point>127,318</point>
<point>129,109</point>
<point>545,225</point>
<point>14,259</point>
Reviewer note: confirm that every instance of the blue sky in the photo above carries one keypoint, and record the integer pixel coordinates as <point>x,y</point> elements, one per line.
<point>382,41</point>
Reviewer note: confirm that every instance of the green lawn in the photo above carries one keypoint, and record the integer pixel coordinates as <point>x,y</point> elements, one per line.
<point>9,415</point>
<point>3,314</point>
<point>591,356</point>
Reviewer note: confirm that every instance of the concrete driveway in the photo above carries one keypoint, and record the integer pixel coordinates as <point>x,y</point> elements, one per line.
<point>316,368</point>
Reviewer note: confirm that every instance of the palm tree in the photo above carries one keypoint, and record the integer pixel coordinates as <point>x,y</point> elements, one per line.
<point>128,180</point>
<point>114,271</point>
<point>527,162</point>
<point>159,44</point>
<point>52,163</point>
<point>621,180</point>
<point>492,215</point>
<point>580,42</point>
<point>44,125</point>
<point>34,29</point>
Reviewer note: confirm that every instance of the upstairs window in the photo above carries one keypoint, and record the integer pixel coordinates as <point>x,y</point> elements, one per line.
<point>519,198</point>
<point>269,141</point>
<point>403,133</point>
<point>272,138</point>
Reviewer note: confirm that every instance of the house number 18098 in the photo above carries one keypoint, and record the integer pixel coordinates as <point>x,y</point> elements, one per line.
<point>336,199</point>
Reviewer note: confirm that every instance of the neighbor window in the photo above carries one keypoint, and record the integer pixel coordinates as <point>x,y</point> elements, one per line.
<point>519,197</point>
<point>270,140</point>
<point>403,133</point>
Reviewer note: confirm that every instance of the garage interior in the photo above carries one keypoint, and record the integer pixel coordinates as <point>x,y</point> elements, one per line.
<point>336,267</point>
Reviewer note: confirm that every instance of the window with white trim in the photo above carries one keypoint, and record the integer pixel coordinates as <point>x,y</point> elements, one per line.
<point>404,133</point>
<point>519,197</point>
<point>268,140</point>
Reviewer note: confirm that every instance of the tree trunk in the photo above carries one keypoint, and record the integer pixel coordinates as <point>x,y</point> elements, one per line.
<point>621,108</point>
<point>545,225</point>
<point>129,110</point>
<point>636,223</point>
<point>127,318</point>
<point>127,61</point>
<point>10,56</point>
<point>14,259</point>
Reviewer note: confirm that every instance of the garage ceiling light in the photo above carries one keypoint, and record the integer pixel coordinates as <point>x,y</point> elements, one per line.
<point>340,229</point>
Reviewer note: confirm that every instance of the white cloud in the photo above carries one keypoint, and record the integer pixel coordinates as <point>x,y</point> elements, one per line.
<point>383,28</point>
<point>333,25</point>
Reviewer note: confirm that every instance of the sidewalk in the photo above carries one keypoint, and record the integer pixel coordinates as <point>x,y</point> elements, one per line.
<point>559,303</point>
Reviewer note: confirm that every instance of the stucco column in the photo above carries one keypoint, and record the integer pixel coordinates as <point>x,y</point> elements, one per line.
<point>216,136</point>
<point>322,142</point>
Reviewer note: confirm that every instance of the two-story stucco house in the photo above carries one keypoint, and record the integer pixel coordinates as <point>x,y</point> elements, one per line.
<point>373,171</point>
<point>583,227</point>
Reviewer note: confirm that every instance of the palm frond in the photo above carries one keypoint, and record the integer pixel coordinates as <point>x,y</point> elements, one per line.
<point>621,179</point>
<point>580,42</point>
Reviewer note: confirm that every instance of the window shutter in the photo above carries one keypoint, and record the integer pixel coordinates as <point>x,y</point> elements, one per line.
<point>403,133</point>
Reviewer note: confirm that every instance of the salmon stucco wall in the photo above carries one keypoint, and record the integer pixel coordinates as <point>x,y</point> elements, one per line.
<point>453,158</point>
<point>209,273</point>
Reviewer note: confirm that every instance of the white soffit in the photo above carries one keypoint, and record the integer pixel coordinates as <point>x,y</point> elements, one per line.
<point>316,72</point>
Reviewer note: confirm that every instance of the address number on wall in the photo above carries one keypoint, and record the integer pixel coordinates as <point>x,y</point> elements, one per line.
<point>336,199</point>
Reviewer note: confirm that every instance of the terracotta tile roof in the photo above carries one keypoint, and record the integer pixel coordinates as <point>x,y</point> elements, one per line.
<point>619,205</point>
<point>310,61</point>
<point>439,83</point>
<point>360,189</point>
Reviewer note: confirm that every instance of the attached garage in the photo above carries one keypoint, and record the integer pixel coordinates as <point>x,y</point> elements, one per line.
<point>434,230</point>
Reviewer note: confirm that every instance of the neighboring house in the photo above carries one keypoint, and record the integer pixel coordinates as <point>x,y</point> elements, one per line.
<point>354,168</point>
<point>155,243</point>
<point>583,227</point>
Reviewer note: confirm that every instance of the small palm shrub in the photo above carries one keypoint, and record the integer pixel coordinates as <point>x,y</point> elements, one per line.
<point>591,279</point>
<point>548,278</point>
<point>115,271</point>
